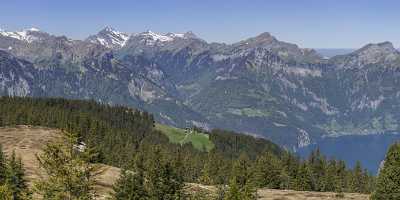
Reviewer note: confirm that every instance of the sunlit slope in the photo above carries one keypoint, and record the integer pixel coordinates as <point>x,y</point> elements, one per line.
<point>199,141</point>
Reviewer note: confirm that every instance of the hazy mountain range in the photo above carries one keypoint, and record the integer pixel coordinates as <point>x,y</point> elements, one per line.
<point>294,96</point>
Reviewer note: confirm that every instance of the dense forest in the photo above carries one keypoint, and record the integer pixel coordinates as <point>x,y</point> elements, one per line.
<point>126,138</point>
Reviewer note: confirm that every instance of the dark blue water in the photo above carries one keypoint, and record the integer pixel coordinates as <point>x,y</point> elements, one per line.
<point>370,150</point>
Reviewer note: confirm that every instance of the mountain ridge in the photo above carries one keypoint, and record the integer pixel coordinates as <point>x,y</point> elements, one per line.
<point>260,86</point>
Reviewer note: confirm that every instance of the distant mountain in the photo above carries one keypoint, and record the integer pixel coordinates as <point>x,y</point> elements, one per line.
<point>109,37</point>
<point>329,53</point>
<point>260,86</point>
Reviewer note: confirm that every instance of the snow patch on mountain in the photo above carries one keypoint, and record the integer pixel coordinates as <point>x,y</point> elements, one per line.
<point>160,37</point>
<point>152,38</point>
<point>109,37</point>
<point>24,35</point>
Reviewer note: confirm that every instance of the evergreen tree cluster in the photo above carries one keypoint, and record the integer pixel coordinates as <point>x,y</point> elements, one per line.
<point>388,181</point>
<point>70,175</point>
<point>151,176</point>
<point>13,185</point>
<point>285,171</point>
<point>156,169</point>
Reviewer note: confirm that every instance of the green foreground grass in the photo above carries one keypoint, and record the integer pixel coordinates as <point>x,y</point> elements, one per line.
<point>199,141</point>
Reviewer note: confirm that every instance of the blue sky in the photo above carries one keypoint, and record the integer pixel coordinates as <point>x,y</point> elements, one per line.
<point>308,23</point>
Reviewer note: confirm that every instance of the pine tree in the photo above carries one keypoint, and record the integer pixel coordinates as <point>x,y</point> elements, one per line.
<point>317,165</point>
<point>70,175</point>
<point>328,181</point>
<point>267,171</point>
<point>289,171</point>
<point>163,181</point>
<point>388,183</point>
<point>241,185</point>
<point>233,192</point>
<point>6,192</point>
<point>241,170</point>
<point>340,177</point>
<point>303,179</point>
<point>15,177</point>
<point>357,179</point>
<point>211,173</point>
<point>152,177</point>
<point>130,185</point>
<point>3,166</point>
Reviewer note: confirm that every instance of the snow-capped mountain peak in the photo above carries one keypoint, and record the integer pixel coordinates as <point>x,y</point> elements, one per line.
<point>159,37</point>
<point>110,38</point>
<point>33,29</point>
<point>151,38</point>
<point>24,35</point>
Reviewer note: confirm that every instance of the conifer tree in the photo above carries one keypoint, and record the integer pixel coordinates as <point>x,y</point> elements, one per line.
<point>388,183</point>
<point>241,185</point>
<point>340,177</point>
<point>6,192</point>
<point>3,166</point>
<point>233,192</point>
<point>303,179</point>
<point>328,181</point>
<point>211,173</point>
<point>152,177</point>
<point>289,171</point>
<point>163,181</point>
<point>267,171</point>
<point>70,175</point>
<point>15,177</point>
<point>317,166</point>
<point>130,186</point>
<point>357,179</point>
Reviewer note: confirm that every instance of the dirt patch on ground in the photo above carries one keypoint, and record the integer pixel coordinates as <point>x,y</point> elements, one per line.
<point>268,194</point>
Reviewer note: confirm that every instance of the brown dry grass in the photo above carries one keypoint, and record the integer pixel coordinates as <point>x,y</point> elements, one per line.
<point>28,141</point>
<point>268,194</point>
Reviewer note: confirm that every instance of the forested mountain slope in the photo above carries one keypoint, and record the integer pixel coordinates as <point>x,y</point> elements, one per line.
<point>259,86</point>
<point>127,138</point>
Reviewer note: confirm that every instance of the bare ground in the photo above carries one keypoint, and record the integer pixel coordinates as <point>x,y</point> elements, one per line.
<point>28,141</point>
<point>268,194</point>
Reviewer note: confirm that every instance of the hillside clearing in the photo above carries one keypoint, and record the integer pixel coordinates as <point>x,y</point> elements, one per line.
<point>199,141</point>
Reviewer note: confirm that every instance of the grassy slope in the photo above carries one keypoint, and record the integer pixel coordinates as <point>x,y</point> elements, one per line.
<point>199,141</point>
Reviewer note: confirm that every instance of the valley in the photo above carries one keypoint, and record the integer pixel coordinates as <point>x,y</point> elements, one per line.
<point>199,100</point>
<point>259,86</point>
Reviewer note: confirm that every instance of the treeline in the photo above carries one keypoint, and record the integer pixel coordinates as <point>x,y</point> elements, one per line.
<point>126,138</point>
<point>116,133</point>
<point>242,175</point>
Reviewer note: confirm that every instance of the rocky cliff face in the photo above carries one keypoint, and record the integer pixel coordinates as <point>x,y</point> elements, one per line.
<point>260,86</point>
